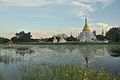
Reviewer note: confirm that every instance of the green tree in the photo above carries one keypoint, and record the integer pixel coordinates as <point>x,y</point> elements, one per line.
<point>113,35</point>
<point>22,37</point>
<point>100,37</point>
<point>4,40</point>
<point>71,38</point>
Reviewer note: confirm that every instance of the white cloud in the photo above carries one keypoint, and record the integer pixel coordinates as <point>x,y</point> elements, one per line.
<point>50,33</point>
<point>101,24</point>
<point>7,35</point>
<point>80,7</point>
<point>74,30</point>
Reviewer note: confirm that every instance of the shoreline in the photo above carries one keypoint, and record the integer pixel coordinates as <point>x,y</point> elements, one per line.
<point>67,43</point>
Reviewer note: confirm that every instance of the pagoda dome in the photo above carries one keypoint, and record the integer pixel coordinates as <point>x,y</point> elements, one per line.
<point>86,27</point>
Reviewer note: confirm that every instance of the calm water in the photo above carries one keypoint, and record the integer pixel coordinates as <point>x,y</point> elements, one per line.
<point>11,62</point>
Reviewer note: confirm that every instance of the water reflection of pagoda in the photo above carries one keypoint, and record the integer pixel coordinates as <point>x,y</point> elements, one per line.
<point>86,35</point>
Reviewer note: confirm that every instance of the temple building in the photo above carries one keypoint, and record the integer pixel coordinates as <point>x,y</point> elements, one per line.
<point>62,40</point>
<point>71,38</point>
<point>86,35</point>
<point>54,39</point>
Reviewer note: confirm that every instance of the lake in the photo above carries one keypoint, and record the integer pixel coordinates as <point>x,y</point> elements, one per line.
<point>12,60</point>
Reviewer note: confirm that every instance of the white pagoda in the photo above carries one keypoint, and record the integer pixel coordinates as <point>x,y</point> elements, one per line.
<point>86,35</point>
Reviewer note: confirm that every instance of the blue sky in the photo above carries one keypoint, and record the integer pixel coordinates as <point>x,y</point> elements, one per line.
<point>45,18</point>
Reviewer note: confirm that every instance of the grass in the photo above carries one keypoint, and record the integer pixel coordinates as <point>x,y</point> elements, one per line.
<point>66,72</point>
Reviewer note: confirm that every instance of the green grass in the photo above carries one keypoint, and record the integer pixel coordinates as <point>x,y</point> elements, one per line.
<point>66,72</point>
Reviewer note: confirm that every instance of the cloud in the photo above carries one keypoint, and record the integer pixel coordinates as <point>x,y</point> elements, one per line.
<point>36,3</point>
<point>101,24</point>
<point>50,33</point>
<point>74,30</point>
<point>7,35</point>
<point>79,7</point>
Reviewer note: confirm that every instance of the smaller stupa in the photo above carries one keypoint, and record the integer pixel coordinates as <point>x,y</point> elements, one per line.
<point>54,39</point>
<point>62,40</point>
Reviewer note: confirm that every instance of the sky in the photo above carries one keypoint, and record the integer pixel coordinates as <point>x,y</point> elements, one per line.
<point>45,18</point>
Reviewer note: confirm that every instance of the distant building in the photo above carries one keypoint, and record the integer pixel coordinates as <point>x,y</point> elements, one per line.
<point>86,35</point>
<point>62,40</point>
<point>71,38</point>
<point>63,35</point>
<point>54,39</point>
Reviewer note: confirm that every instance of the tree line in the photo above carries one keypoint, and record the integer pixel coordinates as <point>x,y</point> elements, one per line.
<point>113,35</point>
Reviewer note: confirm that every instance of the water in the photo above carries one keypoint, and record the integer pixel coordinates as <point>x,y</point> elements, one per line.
<point>11,63</point>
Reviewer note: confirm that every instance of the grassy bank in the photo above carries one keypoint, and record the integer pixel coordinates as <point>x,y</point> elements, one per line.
<point>67,43</point>
<point>66,72</point>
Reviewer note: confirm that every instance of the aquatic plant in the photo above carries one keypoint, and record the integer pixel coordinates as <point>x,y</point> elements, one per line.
<point>66,72</point>
<point>22,48</point>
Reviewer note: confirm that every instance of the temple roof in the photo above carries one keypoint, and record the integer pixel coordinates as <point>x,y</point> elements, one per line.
<point>54,38</point>
<point>86,27</point>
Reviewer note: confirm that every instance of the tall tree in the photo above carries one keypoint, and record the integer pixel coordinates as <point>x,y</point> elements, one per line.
<point>22,37</point>
<point>113,35</point>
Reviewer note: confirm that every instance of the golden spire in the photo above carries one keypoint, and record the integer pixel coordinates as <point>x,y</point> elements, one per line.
<point>86,27</point>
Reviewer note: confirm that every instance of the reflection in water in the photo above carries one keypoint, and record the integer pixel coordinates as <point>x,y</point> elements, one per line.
<point>87,59</point>
<point>73,50</point>
<point>24,50</point>
<point>10,43</point>
<point>53,55</point>
<point>57,53</point>
<point>8,58</point>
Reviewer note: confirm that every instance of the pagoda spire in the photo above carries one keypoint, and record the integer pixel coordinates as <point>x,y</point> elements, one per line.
<point>86,27</point>
<point>85,21</point>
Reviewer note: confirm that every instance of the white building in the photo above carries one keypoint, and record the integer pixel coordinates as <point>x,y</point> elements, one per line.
<point>54,39</point>
<point>62,40</point>
<point>86,35</point>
